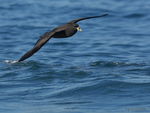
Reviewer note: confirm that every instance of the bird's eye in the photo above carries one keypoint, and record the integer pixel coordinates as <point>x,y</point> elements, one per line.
<point>76,25</point>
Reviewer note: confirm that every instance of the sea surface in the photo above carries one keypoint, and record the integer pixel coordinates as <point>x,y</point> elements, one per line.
<point>103,69</point>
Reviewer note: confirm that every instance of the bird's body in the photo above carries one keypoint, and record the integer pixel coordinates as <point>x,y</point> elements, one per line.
<point>66,30</point>
<point>63,31</point>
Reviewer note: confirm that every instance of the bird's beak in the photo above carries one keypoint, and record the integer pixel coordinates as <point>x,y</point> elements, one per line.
<point>79,29</point>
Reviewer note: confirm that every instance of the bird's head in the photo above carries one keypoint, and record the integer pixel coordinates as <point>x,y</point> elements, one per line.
<point>77,27</point>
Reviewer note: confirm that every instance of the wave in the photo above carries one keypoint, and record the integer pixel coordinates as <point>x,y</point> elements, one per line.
<point>113,64</point>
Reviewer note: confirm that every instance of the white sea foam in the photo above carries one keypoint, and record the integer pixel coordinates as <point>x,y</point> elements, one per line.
<point>11,61</point>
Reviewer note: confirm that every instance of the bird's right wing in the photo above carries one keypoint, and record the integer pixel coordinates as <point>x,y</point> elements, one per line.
<point>76,20</point>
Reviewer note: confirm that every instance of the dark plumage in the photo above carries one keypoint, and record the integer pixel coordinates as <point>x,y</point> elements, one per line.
<point>63,31</point>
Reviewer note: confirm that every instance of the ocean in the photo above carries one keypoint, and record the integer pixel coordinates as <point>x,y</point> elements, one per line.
<point>103,69</point>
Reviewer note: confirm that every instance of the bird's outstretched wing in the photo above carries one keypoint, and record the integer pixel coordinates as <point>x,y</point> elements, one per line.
<point>44,38</point>
<point>76,20</point>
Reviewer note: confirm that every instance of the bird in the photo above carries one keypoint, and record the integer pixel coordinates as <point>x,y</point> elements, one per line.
<point>63,31</point>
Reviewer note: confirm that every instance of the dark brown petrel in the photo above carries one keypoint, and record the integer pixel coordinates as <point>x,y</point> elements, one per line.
<point>63,31</point>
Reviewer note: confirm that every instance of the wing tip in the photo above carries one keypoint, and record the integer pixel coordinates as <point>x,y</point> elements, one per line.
<point>106,14</point>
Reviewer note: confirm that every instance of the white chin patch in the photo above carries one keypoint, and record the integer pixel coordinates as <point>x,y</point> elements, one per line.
<point>79,29</point>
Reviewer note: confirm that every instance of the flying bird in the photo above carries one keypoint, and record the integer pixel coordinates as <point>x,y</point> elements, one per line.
<point>63,31</point>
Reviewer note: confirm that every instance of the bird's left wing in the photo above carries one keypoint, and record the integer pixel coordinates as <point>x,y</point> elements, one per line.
<point>44,38</point>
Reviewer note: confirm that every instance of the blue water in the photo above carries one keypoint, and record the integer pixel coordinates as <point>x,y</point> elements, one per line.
<point>103,69</point>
